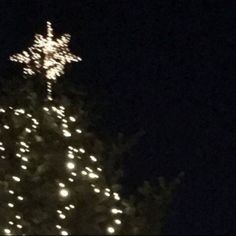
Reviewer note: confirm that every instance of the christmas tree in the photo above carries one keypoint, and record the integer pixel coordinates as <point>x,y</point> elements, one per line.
<point>50,181</point>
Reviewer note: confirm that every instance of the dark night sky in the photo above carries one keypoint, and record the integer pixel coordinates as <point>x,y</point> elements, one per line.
<point>166,67</point>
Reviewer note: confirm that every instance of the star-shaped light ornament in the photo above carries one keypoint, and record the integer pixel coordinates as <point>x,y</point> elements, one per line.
<point>47,56</point>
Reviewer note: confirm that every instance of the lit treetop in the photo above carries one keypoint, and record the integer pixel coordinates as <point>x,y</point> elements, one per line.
<point>47,56</point>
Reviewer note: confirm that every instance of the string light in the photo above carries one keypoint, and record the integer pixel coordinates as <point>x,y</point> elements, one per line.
<point>110,230</point>
<point>64,232</point>
<point>117,221</point>
<point>7,231</point>
<point>64,192</point>
<point>71,155</point>
<point>70,165</point>
<point>93,158</point>
<point>47,56</point>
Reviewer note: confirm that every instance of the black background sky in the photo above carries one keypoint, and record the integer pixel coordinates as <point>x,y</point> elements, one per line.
<point>165,66</point>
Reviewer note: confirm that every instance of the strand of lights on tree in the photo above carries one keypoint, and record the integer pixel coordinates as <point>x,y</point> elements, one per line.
<point>47,56</point>
<point>74,169</point>
<point>16,222</point>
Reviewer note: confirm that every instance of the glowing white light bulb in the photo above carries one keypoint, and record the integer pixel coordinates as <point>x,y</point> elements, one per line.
<point>93,176</point>
<point>116,196</point>
<point>22,149</point>
<point>10,204</point>
<point>83,172</point>
<point>19,226</point>
<point>66,133</point>
<point>10,222</point>
<point>23,167</point>
<point>17,179</point>
<point>28,130</point>
<point>18,217</point>
<point>72,119</point>
<point>71,156</point>
<point>117,221</point>
<point>71,206</point>
<point>107,194</point>
<point>6,127</point>
<point>110,230</point>
<point>61,185</point>
<point>78,131</point>
<point>63,232</point>
<point>62,216</point>
<point>58,226</point>
<point>64,193</point>
<point>70,165</point>
<point>82,150</point>
<point>97,190</point>
<point>20,198</point>
<point>115,211</point>
<point>93,158</point>
<point>24,159</point>
<point>7,231</point>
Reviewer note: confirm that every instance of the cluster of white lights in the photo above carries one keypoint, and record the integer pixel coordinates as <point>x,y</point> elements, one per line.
<point>22,152</point>
<point>73,169</point>
<point>47,56</point>
<point>2,149</point>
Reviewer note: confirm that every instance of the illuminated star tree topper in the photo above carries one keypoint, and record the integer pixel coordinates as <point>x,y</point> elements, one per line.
<point>47,56</point>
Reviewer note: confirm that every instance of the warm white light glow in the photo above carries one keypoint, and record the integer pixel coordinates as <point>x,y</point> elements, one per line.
<point>7,231</point>
<point>63,232</point>
<point>17,179</point>
<point>72,119</point>
<point>93,176</point>
<point>61,185</point>
<point>10,204</point>
<point>28,130</point>
<point>64,193</point>
<point>20,198</point>
<point>110,230</point>
<point>82,150</point>
<point>97,190</point>
<point>78,131</point>
<point>70,165</point>
<point>66,133</point>
<point>116,211</point>
<point>23,167</point>
<point>93,158</point>
<point>54,52</point>
<point>117,221</point>
<point>83,172</point>
<point>11,191</point>
<point>62,216</point>
<point>107,194</point>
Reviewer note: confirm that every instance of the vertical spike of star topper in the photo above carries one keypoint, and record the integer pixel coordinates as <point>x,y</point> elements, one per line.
<point>47,56</point>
